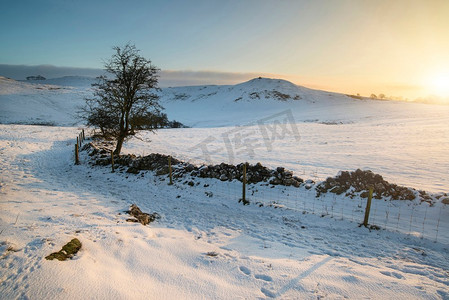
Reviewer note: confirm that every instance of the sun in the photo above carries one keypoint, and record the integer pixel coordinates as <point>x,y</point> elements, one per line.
<point>439,85</point>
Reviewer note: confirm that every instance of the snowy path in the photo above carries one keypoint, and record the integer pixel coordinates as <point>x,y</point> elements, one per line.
<point>262,252</point>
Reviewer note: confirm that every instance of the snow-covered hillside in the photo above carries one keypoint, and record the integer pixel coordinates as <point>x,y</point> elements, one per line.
<point>46,102</point>
<point>195,106</point>
<point>217,106</point>
<point>55,101</point>
<point>406,142</point>
<point>73,81</point>
<point>287,244</point>
<point>230,105</point>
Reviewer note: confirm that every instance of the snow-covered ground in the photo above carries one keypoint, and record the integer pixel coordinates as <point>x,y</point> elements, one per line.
<point>54,102</point>
<point>262,252</point>
<point>295,251</point>
<point>412,152</point>
<point>407,143</point>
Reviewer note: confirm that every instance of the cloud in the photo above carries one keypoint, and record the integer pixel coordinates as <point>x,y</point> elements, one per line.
<point>20,72</point>
<point>167,77</point>
<point>183,78</point>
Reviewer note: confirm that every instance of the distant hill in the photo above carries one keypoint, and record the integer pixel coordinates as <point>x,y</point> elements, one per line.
<point>55,101</point>
<point>75,81</point>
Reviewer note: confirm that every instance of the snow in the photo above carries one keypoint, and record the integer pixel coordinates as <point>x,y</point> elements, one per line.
<point>413,153</point>
<point>407,143</point>
<point>262,252</point>
<point>36,102</point>
<point>287,252</point>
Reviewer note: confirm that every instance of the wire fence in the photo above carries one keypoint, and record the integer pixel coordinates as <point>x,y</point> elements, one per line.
<point>424,219</point>
<point>419,219</point>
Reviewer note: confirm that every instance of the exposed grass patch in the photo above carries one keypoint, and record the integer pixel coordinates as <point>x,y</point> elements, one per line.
<point>67,251</point>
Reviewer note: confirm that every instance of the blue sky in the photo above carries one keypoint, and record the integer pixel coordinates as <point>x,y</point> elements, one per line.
<point>227,35</point>
<point>394,47</point>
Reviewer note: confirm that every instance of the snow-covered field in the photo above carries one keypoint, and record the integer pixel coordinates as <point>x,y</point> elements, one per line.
<point>261,252</point>
<point>407,143</point>
<point>413,152</point>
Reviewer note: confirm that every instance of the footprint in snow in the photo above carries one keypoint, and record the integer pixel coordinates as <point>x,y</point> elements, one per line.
<point>245,270</point>
<point>443,294</point>
<point>268,293</point>
<point>263,277</point>
<point>392,274</point>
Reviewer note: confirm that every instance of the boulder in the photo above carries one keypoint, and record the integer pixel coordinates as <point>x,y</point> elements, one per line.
<point>275,181</point>
<point>141,217</point>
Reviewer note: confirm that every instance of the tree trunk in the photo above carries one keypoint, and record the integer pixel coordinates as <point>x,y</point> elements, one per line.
<point>118,148</point>
<point>121,136</point>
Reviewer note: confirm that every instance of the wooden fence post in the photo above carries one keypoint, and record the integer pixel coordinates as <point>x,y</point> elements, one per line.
<point>170,171</point>
<point>368,206</point>
<point>112,161</point>
<point>243,200</point>
<point>77,159</point>
<point>84,137</point>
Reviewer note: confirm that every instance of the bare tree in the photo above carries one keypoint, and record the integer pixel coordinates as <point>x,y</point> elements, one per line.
<point>127,102</point>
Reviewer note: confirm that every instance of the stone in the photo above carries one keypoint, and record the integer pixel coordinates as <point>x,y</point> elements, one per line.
<point>190,168</point>
<point>300,180</point>
<point>379,187</point>
<point>288,174</point>
<point>275,181</point>
<point>133,170</point>
<point>308,186</point>
<point>141,217</point>
<point>338,190</point>
<point>287,182</point>
<point>162,171</point>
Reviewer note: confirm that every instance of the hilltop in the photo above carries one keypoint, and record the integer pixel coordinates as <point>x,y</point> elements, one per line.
<point>55,101</point>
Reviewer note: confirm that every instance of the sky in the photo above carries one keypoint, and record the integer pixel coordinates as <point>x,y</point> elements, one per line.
<point>399,48</point>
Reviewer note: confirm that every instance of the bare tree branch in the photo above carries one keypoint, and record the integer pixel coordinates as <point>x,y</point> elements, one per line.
<point>127,102</point>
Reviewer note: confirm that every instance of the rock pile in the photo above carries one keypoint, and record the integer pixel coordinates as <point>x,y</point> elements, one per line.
<point>225,172</point>
<point>359,181</point>
<point>153,162</point>
<point>351,183</point>
<point>141,217</point>
<point>254,174</point>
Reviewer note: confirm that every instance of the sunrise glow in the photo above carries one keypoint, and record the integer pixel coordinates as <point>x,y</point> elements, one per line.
<point>439,85</point>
